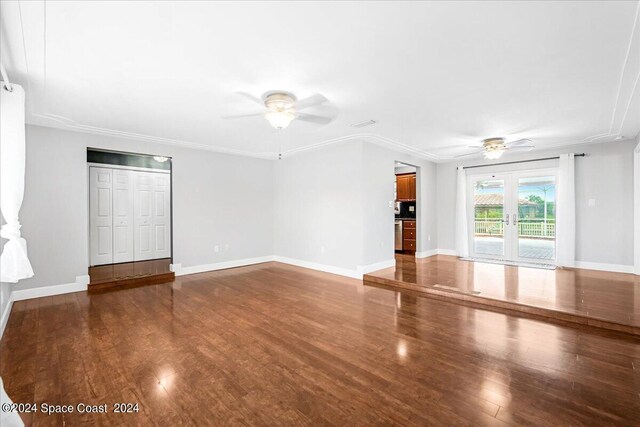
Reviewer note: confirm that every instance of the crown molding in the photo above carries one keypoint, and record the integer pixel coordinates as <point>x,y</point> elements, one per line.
<point>61,122</point>
<point>368,137</point>
<point>580,143</point>
<point>64,123</point>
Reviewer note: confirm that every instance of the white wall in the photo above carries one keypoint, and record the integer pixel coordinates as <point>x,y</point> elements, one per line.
<point>218,199</point>
<point>318,205</point>
<point>337,197</point>
<point>603,232</point>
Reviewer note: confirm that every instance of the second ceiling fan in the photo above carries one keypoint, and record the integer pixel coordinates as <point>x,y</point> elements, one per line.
<point>494,148</point>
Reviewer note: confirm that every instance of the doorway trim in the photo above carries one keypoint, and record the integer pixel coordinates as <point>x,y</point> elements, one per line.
<point>111,164</point>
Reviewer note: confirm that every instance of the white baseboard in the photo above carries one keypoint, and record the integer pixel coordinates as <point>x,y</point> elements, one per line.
<point>432,252</point>
<point>181,271</point>
<point>616,268</point>
<point>45,291</point>
<point>365,269</point>
<point>426,254</point>
<point>450,252</point>
<point>355,274</point>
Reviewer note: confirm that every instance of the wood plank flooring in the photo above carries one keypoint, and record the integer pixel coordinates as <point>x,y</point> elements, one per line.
<point>273,344</point>
<point>588,297</point>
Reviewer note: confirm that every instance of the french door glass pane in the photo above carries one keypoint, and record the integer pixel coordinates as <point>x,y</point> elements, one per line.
<point>537,217</point>
<point>488,234</point>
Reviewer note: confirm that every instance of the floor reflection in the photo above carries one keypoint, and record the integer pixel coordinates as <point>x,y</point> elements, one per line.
<point>608,296</point>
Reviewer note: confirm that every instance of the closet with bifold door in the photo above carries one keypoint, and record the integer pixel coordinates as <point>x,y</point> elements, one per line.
<point>130,215</point>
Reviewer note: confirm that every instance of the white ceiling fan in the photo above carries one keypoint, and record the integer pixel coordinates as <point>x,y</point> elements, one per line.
<point>494,148</point>
<point>281,108</point>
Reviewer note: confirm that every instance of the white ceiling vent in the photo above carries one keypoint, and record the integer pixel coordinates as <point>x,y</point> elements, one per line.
<point>363,124</point>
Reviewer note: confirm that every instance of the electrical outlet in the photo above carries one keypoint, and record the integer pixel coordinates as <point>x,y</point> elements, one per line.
<point>216,249</point>
<point>429,237</point>
<point>226,247</point>
<point>391,204</point>
<point>591,203</point>
<point>321,249</point>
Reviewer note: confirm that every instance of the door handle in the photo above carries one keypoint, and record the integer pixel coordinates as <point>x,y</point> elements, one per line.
<point>507,219</point>
<point>515,219</point>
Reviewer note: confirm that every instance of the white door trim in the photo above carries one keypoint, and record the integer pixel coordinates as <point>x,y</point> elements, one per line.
<point>636,208</point>
<point>130,168</point>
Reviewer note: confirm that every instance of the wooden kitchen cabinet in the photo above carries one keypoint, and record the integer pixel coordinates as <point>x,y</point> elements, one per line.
<point>406,187</point>
<point>409,236</point>
<point>412,186</point>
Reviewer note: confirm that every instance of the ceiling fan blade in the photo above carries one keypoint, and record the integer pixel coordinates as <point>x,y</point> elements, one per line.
<point>520,148</point>
<point>468,154</point>
<point>313,118</point>
<point>251,98</point>
<point>310,101</point>
<point>519,142</point>
<point>241,116</point>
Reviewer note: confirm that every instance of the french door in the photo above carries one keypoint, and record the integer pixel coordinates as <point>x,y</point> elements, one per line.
<point>512,216</point>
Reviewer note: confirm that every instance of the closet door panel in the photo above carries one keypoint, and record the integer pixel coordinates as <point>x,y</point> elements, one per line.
<point>161,216</point>
<point>101,216</point>
<point>123,216</point>
<point>143,216</point>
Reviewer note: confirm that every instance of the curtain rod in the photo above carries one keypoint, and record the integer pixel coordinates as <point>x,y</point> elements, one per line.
<point>519,161</point>
<point>5,78</point>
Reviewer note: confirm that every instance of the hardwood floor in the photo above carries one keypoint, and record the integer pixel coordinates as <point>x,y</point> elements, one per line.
<point>130,274</point>
<point>273,344</point>
<point>587,297</point>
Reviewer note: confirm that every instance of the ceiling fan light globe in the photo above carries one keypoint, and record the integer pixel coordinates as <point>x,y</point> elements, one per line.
<point>493,154</point>
<point>279,119</point>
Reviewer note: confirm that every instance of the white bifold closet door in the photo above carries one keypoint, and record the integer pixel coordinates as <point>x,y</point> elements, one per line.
<point>101,215</point>
<point>152,218</point>
<point>130,215</point>
<point>123,215</point>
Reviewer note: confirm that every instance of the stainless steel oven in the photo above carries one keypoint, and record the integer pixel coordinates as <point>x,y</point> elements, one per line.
<point>398,230</point>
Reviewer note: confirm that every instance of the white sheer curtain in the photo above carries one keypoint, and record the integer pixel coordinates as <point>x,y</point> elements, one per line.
<point>14,263</point>
<point>566,212</point>
<point>462,236</point>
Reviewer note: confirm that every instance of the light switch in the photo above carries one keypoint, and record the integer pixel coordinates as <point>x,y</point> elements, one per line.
<point>592,202</point>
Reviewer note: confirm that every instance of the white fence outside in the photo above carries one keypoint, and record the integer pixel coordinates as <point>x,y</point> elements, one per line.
<point>535,228</point>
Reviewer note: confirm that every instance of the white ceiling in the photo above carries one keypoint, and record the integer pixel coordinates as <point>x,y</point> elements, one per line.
<point>436,76</point>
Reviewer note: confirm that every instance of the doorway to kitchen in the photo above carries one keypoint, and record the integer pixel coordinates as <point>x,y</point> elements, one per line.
<point>406,196</point>
<point>513,216</point>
